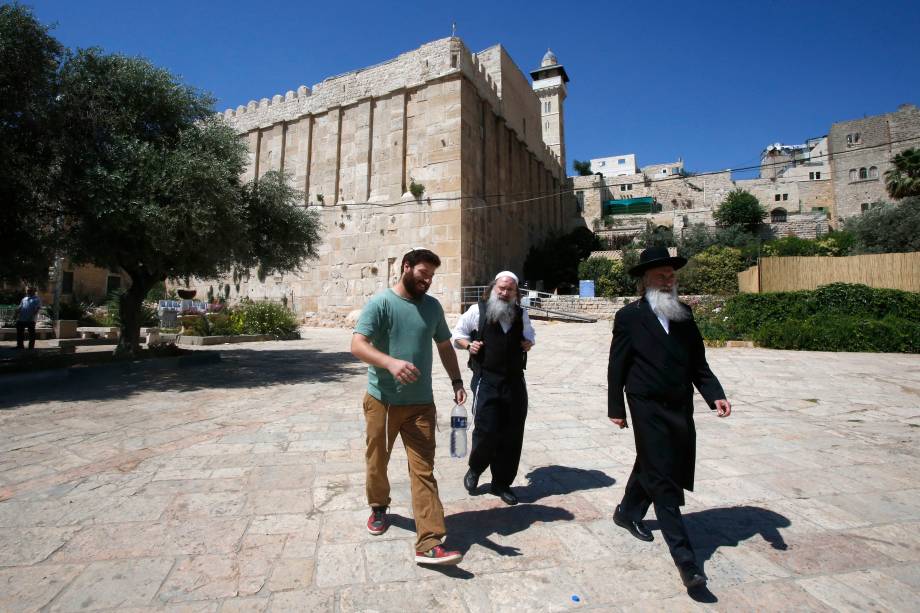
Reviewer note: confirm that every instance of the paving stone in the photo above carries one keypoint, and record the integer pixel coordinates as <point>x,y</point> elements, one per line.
<point>114,584</point>
<point>254,491</point>
<point>29,588</point>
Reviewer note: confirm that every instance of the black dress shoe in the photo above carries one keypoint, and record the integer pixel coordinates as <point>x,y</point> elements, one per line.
<point>505,494</point>
<point>636,528</point>
<point>471,481</point>
<point>691,576</point>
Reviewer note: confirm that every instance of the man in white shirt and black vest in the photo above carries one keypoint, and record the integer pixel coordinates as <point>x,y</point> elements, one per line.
<point>498,334</point>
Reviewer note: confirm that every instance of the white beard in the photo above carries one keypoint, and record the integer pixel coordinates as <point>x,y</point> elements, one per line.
<point>497,310</point>
<point>665,304</point>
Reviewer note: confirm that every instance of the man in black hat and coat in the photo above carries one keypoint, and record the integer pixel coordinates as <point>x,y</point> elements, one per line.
<point>657,356</point>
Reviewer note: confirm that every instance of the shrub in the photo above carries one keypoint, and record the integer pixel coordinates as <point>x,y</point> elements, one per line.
<point>740,208</point>
<point>888,228</point>
<point>713,271</point>
<point>263,318</point>
<point>837,243</point>
<point>747,313</point>
<point>842,333</point>
<point>593,268</point>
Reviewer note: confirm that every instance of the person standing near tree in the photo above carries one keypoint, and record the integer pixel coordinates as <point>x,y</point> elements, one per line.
<point>26,314</point>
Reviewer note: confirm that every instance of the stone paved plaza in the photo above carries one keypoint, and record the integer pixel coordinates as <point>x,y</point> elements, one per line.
<point>239,486</point>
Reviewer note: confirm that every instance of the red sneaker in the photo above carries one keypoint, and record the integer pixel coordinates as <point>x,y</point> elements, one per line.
<point>438,555</point>
<point>377,523</point>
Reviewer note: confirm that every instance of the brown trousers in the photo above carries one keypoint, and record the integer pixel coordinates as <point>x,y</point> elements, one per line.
<point>415,423</point>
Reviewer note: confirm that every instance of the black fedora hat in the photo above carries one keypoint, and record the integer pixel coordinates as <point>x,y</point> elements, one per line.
<point>654,257</point>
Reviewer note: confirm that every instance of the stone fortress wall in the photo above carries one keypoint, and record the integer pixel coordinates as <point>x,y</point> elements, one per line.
<point>465,126</point>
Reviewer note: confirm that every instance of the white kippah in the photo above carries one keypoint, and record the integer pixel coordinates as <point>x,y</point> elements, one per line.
<point>507,273</point>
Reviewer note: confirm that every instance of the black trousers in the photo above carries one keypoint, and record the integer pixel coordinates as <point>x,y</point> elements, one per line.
<point>21,333</point>
<point>634,506</point>
<point>500,405</point>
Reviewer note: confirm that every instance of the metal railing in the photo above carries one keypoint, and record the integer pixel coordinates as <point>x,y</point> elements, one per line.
<point>530,299</point>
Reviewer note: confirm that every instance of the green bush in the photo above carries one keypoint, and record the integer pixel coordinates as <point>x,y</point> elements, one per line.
<point>263,318</point>
<point>713,271</point>
<point>842,333</point>
<point>837,243</point>
<point>594,268</point>
<point>747,313</point>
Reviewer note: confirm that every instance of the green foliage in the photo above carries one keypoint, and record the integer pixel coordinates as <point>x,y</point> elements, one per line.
<point>888,228</point>
<point>713,271</point>
<point>147,314</point>
<point>416,189</point>
<point>832,244</point>
<point>841,333</point>
<point>263,318</point>
<point>29,57</point>
<point>740,208</point>
<point>582,168</point>
<point>749,312</point>
<point>903,180</point>
<point>655,236</point>
<point>157,292</point>
<point>555,261</point>
<point>610,277</point>
<point>699,237</point>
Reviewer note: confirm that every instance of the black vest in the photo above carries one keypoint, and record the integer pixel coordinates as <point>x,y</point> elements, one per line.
<point>501,353</point>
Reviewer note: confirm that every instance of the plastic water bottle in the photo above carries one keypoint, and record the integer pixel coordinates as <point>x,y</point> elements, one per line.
<point>458,431</point>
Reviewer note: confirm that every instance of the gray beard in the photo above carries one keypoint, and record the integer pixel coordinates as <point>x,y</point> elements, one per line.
<point>497,310</point>
<point>665,304</point>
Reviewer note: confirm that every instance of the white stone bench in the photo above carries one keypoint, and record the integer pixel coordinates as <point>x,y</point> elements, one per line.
<point>106,332</point>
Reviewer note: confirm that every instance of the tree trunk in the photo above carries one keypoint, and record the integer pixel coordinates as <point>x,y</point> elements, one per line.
<point>130,313</point>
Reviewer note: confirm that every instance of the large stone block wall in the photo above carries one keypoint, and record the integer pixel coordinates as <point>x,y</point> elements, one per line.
<point>435,116</point>
<point>881,138</point>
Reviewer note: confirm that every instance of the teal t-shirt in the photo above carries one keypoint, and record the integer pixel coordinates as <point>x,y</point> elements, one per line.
<point>403,329</point>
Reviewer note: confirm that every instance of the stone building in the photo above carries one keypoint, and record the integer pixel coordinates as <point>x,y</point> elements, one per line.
<point>860,153</point>
<point>469,129</point>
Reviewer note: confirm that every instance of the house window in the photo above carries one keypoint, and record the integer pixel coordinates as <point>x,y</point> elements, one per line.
<point>814,176</point>
<point>546,126</point>
<point>621,162</point>
<point>67,282</point>
<point>112,284</point>
<point>547,106</point>
<point>664,171</point>
<point>580,201</point>
<point>853,138</point>
<point>785,196</point>
<point>453,60</point>
<point>873,172</point>
<point>863,173</point>
<point>625,187</point>
<point>852,174</point>
<point>778,215</point>
<point>864,207</point>
<point>602,163</point>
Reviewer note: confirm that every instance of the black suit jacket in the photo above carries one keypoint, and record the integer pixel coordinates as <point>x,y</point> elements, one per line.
<point>649,362</point>
<point>658,370</point>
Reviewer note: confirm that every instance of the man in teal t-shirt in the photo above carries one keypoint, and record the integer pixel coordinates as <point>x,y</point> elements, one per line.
<point>394,336</point>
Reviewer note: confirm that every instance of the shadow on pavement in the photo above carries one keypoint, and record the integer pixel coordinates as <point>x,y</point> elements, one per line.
<point>558,480</point>
<point>476,527</point>
<point>727,527</point>
<point>237,369</point>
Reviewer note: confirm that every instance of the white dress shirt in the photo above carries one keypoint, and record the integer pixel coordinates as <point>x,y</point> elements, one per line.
<point>665,323</point>
<point>469,321</point>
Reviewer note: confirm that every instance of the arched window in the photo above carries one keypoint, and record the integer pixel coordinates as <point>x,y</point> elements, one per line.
<point>778,215</point>
<point>852,174</point>
<point>863,173</point>
<point>873,172</point>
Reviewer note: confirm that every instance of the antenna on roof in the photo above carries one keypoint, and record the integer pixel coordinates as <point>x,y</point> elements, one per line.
<point>453,29</point>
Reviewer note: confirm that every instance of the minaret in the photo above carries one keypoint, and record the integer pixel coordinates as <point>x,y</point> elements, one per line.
<point>549,84</point>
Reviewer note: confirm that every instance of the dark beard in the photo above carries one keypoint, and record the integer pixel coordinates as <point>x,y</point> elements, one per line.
<point>409,282</point>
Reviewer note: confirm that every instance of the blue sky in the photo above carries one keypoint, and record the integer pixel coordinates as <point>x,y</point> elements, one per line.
<point>711,82</point>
